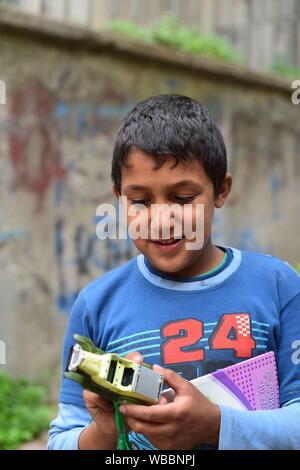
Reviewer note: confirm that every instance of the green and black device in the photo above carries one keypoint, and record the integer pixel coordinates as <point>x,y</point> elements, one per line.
<point>112,376</point>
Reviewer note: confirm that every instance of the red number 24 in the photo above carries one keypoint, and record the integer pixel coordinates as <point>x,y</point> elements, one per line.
<point>232,332</point>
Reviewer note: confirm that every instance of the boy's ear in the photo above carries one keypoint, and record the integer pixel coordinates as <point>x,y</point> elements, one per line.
<point>116,192</point>
<point>224,191</point>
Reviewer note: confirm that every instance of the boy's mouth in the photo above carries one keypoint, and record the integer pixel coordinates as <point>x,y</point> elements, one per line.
<point>168,246</point>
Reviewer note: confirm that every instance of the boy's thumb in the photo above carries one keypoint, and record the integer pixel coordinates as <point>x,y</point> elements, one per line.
<point>174,380</point>
<point>135,356</point>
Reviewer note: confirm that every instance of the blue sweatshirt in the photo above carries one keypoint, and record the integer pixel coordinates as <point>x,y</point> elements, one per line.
<point>249,306</point>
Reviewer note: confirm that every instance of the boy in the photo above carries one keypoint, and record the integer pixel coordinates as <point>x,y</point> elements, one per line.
<point>190,310</point>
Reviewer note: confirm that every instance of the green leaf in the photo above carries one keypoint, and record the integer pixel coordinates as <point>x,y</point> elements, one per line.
<point>169,33</point>
<point>24,414</point>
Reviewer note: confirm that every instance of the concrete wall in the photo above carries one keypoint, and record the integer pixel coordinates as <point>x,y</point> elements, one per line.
<point>263,32</point>
<point>67,92</point>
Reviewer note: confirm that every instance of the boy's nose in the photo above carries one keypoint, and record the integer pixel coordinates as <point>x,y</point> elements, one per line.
<point>165,224</point>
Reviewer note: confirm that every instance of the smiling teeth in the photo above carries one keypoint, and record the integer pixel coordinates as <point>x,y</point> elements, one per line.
<point>168,242</point>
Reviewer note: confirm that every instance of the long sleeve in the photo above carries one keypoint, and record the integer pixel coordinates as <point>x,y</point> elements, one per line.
<point>261,430</point>
<point>257,430</point>
<point>66,428</point>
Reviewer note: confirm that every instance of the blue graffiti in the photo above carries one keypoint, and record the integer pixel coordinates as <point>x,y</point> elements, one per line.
<point>12,235</point>
<point>89,254</point>
<point>276,186</point>
<point>88,118</point>
<point>62,110</point>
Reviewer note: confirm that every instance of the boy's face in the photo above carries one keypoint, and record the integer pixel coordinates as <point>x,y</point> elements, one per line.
<point>186,185</point>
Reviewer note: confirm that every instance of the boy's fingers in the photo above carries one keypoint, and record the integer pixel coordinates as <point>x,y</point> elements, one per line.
<point>149,429</point>
<point>156,413</point>
<point>175,381</point>
<point>164,400</point>
<point>95,401</point>
<point>135,356</point>
<point>91,397</point>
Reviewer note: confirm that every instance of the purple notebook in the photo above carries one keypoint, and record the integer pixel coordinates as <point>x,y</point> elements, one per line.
<point>248,385</point>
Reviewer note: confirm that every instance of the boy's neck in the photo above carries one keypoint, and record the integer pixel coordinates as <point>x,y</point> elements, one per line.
<point>211,257</point>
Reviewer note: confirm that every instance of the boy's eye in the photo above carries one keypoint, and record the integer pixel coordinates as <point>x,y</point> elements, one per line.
<point>180,199</point>
<point>140,201</point>
<point>185,199</point>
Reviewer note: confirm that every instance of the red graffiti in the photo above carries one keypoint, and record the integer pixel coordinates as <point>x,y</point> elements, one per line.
<point>34,140</point>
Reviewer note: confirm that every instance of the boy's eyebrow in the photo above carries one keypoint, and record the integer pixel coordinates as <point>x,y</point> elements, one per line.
<point>135,187</point>
<point>171,186</point>
<point>184,183</point>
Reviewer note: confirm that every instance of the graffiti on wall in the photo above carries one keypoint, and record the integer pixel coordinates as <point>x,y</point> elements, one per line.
<point>89,258</point>
<point>34,147</point>
<point>38,124</point>
<point>52,140</point>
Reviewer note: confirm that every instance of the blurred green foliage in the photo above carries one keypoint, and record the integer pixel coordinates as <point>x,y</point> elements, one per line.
<point>285,70</point>
<point>24,414</point>
<point>130,30</point>
<point>168,32</point>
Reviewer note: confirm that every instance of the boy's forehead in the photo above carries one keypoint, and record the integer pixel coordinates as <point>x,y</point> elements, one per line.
<point>141,169</point>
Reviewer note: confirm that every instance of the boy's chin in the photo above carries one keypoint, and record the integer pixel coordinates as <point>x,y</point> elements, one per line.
<point>170,264</point>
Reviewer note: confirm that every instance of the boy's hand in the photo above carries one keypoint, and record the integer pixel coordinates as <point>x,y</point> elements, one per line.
<point>187,422</point>
<point>101,410</point>
<point>102,433</point>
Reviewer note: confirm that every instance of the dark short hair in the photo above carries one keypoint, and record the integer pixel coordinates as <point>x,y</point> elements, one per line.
<point>173,125</point>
